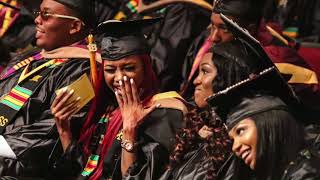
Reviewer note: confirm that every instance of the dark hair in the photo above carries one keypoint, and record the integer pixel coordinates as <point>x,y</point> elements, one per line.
<point>280,137</point>
<point>217,147</point>
<point>105,102</point>
<point>234,63</point>
<point>245,12</point>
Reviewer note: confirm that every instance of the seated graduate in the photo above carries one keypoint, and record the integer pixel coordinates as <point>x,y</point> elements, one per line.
<point>128,125</point>
<point>28,84</point>
<point>203,145</point>
<point>262,120</point>
<point>249,14</point>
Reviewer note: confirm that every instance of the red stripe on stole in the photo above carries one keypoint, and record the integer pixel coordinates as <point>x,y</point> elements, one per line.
<point>90,166</point>
<point>22,99</point>
<point>59,60</point>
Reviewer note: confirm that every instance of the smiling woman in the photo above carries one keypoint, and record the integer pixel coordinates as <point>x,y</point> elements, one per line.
<point>266,133</point>
<point>203,145</point>
<point>203,82</point>
<point>244,136</point>
<point>124,131</point>
<point>269,139</point>
<point>132,67</point>
<point>226,64</point>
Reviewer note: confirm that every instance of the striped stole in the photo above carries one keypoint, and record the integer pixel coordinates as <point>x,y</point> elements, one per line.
<point>20,65</point>
<point>93,160</point>
<point>12,102</point>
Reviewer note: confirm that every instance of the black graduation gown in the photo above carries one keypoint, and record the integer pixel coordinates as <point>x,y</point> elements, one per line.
<point>306,166</point>
<point>156,139</point>
<point>21,33</point>
<point>195,164</point>
<point>32,133</point>
<point>182,23</point>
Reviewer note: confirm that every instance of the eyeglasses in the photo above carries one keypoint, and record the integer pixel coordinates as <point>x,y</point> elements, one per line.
<point>45,15</point>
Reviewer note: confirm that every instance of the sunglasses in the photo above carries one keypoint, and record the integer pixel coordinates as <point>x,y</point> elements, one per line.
<point>45,15</point>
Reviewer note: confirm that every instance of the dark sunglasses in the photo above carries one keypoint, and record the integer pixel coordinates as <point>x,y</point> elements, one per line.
<point>45,15</point>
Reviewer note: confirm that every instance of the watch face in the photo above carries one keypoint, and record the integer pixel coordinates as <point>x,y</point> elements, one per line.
<point>128,146</point>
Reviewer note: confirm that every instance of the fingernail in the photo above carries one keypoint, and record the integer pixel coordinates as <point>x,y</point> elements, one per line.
<point>78,98</point>
<point>116,92</point>
<point>125,78</point>
<point>71,91</point>
<point>158,105</point>
<point>120,83</point>
<point>64,90</point>
<point>131,81</point>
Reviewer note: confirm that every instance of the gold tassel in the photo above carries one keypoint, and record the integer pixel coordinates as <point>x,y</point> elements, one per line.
<point>93,65</point>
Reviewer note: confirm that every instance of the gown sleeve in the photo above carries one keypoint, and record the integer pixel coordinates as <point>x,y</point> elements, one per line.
<point>157,140</point>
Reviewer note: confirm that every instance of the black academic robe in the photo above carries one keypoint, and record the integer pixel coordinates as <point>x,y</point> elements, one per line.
<point>32,133</point>
<point>182,23</point>
<point>306,166</point>
<point>21,33</point>
<point>156,137</point>
<point>195,164</point>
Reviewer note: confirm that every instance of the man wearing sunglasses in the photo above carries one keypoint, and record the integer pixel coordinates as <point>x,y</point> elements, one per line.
<point>28,85</point>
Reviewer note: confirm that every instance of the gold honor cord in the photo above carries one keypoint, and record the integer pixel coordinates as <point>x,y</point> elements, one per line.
<point>277,35</point>
<point>93,65</point>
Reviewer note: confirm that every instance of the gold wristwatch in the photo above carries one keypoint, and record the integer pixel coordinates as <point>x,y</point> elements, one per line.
<point>128,145</point>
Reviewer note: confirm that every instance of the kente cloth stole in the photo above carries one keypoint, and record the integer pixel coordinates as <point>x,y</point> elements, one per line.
<point>12,102</point>
<point>20,65</point>
<point>95,146</point>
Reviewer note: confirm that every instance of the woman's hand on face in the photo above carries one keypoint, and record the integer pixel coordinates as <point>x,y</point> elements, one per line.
<point>62,111</point>
<point>132,109</point>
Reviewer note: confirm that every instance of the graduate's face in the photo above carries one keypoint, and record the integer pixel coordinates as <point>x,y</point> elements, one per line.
<point>203,82</point>
<point>244,135</point>
<point>114,71</point>
<point>52,32</point>
<point>219,32</point>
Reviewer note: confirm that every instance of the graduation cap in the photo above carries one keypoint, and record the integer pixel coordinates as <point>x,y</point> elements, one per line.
<point>84,8</point>
<point>244,98</point>
<point>256,94</point>
<point>245,37</point>
<point>124,38</point>
<point>249,11</point>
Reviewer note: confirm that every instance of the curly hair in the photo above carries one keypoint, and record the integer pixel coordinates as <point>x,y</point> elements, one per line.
<point>234,62</point>
<point>217,147</point>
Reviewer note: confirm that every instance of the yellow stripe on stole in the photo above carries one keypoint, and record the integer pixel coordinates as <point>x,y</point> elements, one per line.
<point>14,101</point>
<point>20,93</point>
<point>93,163</point>
<point>89,169</point>
<point>23,63</point>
